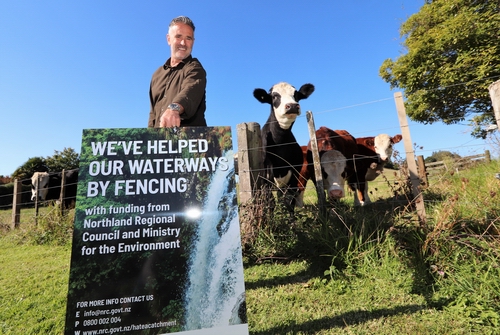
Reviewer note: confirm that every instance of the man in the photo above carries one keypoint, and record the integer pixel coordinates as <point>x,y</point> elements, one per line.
<point>177,89</point>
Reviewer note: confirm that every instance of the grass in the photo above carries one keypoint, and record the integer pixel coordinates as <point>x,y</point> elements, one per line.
<point>292,299</point>
<point>33,281</point>
<point>371,270</point>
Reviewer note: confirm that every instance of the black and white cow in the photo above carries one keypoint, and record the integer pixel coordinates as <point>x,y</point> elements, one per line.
<point>40,187</point>
<point>49,187</point>
<point>282,154</point>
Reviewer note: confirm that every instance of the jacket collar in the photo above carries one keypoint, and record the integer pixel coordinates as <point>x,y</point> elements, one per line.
<point>181,64</point>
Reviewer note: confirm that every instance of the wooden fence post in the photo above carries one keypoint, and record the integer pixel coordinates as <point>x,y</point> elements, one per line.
<point>487,156</point>
<point>250,165</point>
<point>494,90</point>
<point>36,199</point>
<point>320,190</point>
<point>16,204</point>
<point>410,158</point>
<point>422,172</point>
<point>62,195</point>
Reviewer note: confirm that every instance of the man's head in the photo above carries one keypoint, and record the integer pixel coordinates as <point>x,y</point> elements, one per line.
<point>180,37</point>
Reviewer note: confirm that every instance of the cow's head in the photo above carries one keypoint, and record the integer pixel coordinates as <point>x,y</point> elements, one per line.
<point>284,100</point>
<point>40,181</point>
<point>326,139</point>
<point>383,144</point>
<point>333,164</point>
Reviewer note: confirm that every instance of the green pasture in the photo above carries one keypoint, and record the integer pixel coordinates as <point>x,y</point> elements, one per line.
<point>370,270</point>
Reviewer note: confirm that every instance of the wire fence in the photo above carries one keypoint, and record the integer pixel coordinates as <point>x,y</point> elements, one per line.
<point>26,192</point>
<point>6,191</point>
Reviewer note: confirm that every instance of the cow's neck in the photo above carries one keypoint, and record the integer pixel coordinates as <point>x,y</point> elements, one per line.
<point>285,123</point>
<point>281,128</point>
<point>280,133</point>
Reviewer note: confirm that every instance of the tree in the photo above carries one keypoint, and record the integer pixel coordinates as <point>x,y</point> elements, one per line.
<point>67,159</point>
<point>453,55</point>
<point>441,155</point>
<point>31,166</point>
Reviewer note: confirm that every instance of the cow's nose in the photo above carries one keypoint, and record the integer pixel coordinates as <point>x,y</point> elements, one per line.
<point>292,108</point>
<point>336,194</point>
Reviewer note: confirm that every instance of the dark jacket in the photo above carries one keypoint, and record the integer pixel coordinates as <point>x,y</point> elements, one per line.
<point>184,84</point>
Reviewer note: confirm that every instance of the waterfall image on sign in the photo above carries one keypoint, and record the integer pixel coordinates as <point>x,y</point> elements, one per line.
<point>215,295</point>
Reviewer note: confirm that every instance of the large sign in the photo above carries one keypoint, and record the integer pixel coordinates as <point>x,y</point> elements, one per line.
<point>156,242</point>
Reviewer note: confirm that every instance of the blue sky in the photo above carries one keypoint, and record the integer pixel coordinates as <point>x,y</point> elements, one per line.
<point>66,66</point>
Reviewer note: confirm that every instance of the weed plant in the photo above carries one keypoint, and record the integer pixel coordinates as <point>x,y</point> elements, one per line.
<point>51,227</point>
<point>452,259</point>
<point>462,246</point>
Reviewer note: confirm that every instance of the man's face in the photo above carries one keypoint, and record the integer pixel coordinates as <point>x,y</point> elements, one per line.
<point>180,37</point>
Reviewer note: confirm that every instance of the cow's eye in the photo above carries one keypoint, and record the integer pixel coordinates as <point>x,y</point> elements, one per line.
<point>276,99</point>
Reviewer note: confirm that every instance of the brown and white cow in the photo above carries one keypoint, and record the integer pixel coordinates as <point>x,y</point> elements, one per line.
<point>333,165</point>
<point>282,155</point>
<point>339,146</point>
<point>373,154</point>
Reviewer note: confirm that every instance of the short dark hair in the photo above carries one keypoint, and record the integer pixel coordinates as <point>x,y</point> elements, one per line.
<point>182,19</point>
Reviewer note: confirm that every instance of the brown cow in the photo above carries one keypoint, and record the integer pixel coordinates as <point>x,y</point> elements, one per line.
<point>328,140</point>
<point>333,164</point>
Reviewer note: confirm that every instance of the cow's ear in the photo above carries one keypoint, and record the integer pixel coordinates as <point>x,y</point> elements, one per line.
<point>397,138</point>
<point>261,95</point>
<point>305,91</point>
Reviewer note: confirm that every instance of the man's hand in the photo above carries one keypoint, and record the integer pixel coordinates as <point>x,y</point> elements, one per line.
<point>170,118</point>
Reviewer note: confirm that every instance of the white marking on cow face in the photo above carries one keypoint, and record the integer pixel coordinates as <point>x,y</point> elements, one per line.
<point>333,164</point>
<point>285,107</point>
<point>40,181</point>
<point>383,145</point>
<point>284,100</point>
